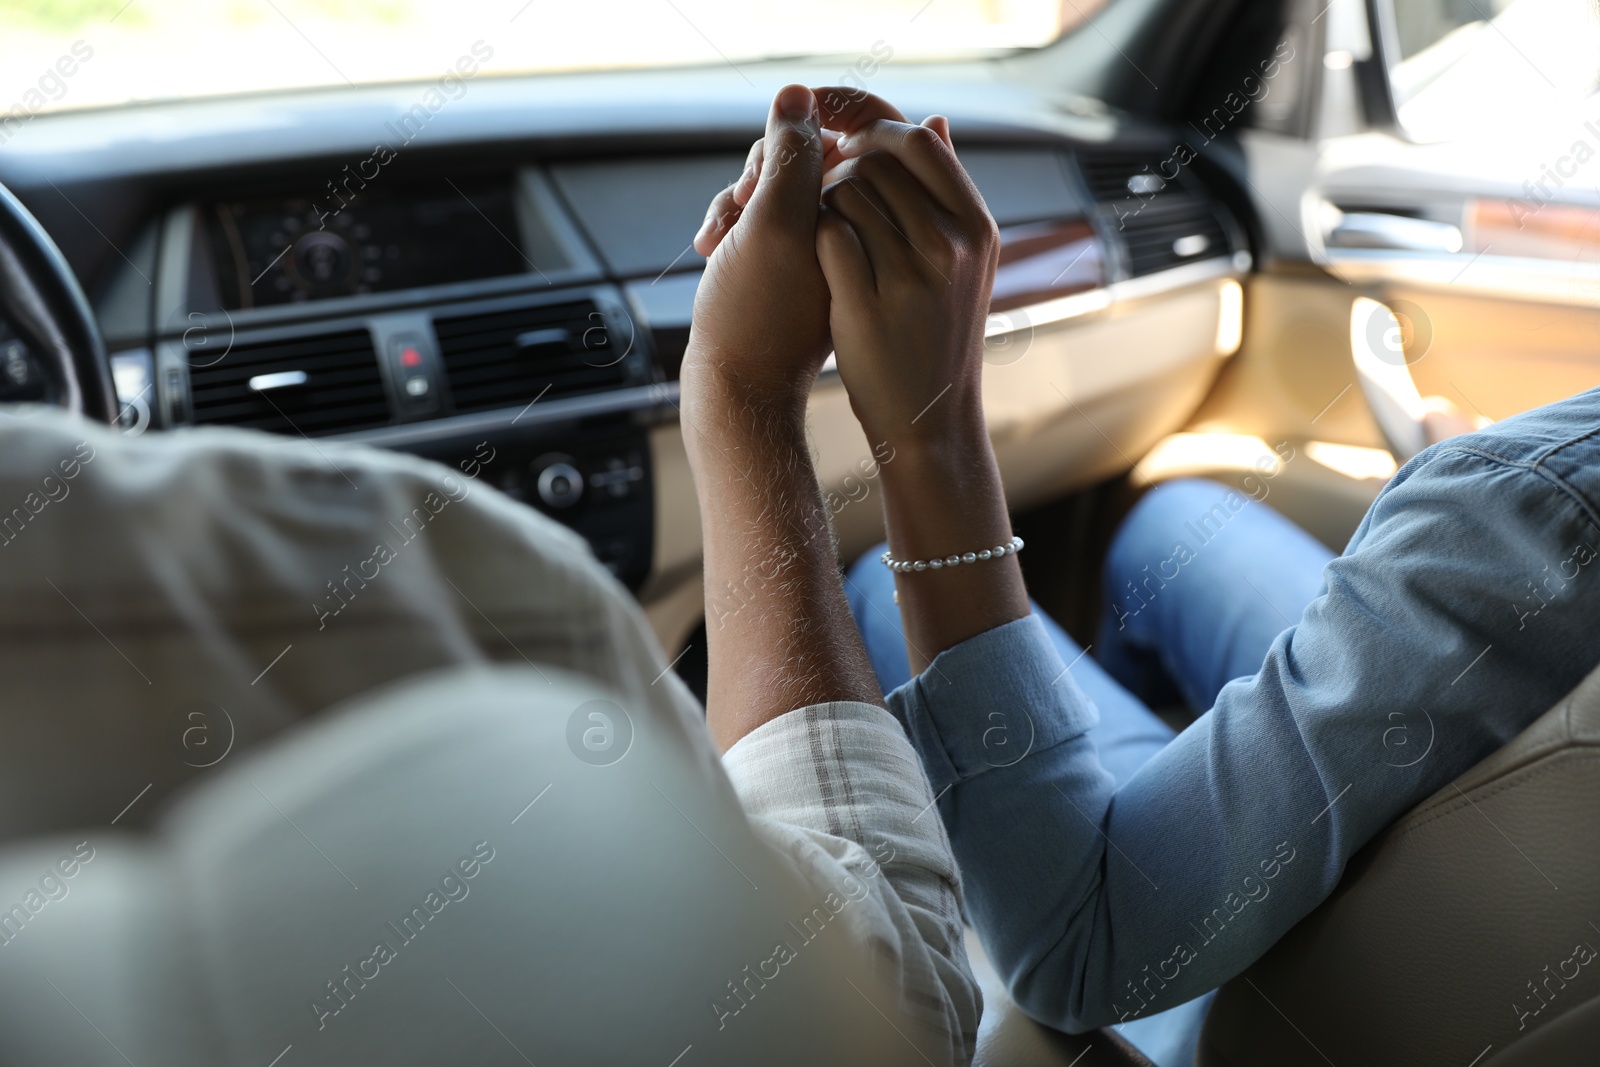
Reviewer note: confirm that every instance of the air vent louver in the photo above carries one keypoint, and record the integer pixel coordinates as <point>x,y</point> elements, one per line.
<point>501,358</point>
<point>1163,223</point>
<point>1166,235</point>
<point>1109,175</point>
<point>311,385</point>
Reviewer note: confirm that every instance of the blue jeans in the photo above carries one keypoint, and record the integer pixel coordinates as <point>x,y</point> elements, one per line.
<point>1176,628</point>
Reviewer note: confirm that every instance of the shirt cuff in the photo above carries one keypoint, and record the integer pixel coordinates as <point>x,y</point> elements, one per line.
<point>805,766</point>
<point>990,702</point>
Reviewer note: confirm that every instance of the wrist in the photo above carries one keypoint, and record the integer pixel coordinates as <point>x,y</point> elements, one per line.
<point>952,422</point>
<point>943,495</point>
<point>951,459</point>
<point>774,383</point>
<point>725,406</point>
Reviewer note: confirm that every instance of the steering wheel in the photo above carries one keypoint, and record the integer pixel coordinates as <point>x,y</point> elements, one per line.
<point>43,304</point>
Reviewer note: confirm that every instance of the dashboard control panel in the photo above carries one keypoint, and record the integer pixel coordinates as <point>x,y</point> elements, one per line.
<point>593,476</point>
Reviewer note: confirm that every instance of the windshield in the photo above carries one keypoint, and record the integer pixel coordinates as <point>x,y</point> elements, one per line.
<point>82,53</point>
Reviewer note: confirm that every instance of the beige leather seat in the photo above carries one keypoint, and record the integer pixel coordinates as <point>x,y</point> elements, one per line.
<point>1430,949</point>
<point>1468,933</point>
<point>1008,1038</point>
<point>429,875</point>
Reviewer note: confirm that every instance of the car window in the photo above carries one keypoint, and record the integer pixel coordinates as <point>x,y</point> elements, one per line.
<point>1469,66</point>
<point>75,53</point>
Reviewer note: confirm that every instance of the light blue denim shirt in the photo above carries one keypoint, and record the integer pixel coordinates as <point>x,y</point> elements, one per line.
<point>1466,605</point>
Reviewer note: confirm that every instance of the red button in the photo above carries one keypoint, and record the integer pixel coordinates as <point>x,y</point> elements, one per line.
<point>410,357</point>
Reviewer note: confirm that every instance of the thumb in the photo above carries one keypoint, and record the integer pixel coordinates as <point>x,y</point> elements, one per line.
<point>790,184</point>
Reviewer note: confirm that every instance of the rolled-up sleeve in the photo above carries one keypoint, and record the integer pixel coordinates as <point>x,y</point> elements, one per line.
<point>838,788</point>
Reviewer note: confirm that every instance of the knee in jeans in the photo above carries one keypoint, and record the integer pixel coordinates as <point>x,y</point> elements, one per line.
<point>1154,542</point>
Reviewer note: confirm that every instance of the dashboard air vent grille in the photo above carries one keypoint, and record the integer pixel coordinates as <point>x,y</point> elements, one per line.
<point>1115,176</point>
<point>514,356</point>
<point>1163,223</point>
<point>311,385</point>
<point>1165,235</point>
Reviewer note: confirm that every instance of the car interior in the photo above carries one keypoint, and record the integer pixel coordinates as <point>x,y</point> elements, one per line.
<point>1257,242</point>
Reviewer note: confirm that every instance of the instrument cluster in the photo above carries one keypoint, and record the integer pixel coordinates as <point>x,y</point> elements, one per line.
<point>292,249</point>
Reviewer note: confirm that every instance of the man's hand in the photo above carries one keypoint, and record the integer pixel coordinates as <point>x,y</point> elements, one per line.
<point>779,632</point>
<point>761,314</point>
<point>909,251</point>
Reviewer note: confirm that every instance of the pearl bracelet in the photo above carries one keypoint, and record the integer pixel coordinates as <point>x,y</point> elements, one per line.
<point>908,566</point>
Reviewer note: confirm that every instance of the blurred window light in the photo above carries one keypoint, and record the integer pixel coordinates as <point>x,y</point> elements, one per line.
<point>1353,461</point>
<point>1230,318</point>
<point>1187,455</point>
<point>172,49</point>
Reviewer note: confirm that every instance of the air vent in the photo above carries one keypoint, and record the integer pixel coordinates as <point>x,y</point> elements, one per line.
<point>501,358</point>
<point>1163,235</point>
<point>1163,223</point>
<point>308,385</point>
<point>1115,176</point>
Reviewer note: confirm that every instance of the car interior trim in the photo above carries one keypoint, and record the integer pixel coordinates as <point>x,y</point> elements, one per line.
<point>1544,281</point>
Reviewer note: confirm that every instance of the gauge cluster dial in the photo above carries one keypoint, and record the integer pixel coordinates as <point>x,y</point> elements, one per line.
<point>293,249</point>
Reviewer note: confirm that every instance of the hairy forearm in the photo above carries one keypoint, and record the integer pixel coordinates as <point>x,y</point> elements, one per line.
<point>943,496</point>
<point>780,633</point>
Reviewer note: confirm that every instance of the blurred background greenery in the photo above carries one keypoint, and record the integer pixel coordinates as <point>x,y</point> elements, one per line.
<point>68,15</point>
<point>57,14</point>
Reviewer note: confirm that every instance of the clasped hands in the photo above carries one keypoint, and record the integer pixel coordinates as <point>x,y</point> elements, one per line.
<point>854,231</point>
<point>850,230</point>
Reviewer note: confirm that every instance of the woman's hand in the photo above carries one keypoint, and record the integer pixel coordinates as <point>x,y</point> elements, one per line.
<point>761,314</point>
<point>909,250</point>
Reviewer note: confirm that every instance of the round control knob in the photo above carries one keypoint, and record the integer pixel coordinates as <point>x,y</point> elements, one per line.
<point>560,485</point>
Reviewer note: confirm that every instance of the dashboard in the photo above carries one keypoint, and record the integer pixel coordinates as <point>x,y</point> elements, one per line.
<point>523,285</point>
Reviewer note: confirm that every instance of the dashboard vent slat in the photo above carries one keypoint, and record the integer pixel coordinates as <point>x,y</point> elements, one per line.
<point>1115,176</point>
<point>343,387</point>
<point>1168,235</point>
<point>1162,223</point>
<point>504,358</point>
